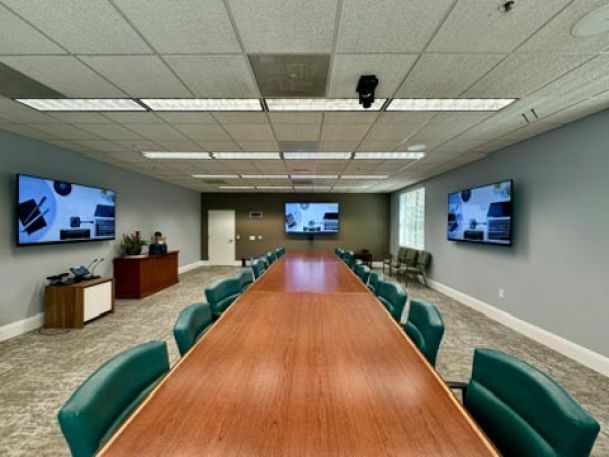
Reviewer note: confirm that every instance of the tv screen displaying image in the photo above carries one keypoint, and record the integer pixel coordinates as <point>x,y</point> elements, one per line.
<point>51,211</point>
<point>481,214</point>
<point>311,218</point>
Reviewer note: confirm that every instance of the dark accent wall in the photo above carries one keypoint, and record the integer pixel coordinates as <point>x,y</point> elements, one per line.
<point>364,222</point>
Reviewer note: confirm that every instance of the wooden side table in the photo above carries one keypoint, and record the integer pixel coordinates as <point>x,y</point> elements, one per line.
<point>74,305</point>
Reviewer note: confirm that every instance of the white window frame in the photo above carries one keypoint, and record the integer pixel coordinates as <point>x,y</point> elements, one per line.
<point>411,220</point>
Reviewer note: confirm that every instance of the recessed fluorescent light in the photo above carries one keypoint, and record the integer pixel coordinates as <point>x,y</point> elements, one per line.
<point>246,155</point>
<point>177,155</point>
<point>349,187</point>
<point>448,104</point>
<point>311,187</point>
<point>216,176</point>
<point>364,176</point>
<point>320,104</point>
<point>273,187</point>
<point>316,155</point>
<point>390,155</point>
<point>203,104</point>
<point>82,104</point>
<point>235,187</point>
<point>313,176</point>
<point>417,147</point>
<point>264,176</point>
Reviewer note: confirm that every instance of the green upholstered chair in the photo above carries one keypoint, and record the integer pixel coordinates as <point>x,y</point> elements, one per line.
<point>246,278</point>
<point>349,258</point>
<point>221,293</point>
<point>258,267</point>
<point>271,257</point>
<point>363,271</point>
<point>394,262</point>
<point>375,278</point>
<point>280,252</point>
<point>418,268</point>
<point>425,328</point>
<point>393,297</point>
<point>356,262</point>
<point>523,411</point>
<point>339,252</point>
<point>191,324</point>
<point>101,404</point>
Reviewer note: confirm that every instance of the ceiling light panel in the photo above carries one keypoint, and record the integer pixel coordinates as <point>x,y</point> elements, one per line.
<point>317,155</point>
<point>448,104</point>
<point>320,104</point>
<point>314,176</point>
<point>273,187</point>
<point>236,187</point>
<point>82,104</point>
<point>264,176</point>
<point>364,176</point>
<point>216,176</point>
<point>389,155</point>
<point>246,155</point>
<point>203,104</point>
<point>311,187</point>
<point>177,155</point>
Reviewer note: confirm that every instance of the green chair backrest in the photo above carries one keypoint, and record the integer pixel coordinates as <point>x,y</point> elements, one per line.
<point>393,297</point>
<point>363,271</point>
<point>375,278</point>
<point>105,399</point>
<point>524,412</point>
<point>349,258</point>
<point>258,267</point>
<point>270,255</point>
<point>221,293</point>
<point>425,328</point>
<point>411,256</point>
<point>279,252</point>
<point>246,278</point>
<point>356,262</point>
<point>190,325</point>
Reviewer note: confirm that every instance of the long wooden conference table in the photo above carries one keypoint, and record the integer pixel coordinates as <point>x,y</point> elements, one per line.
<point>306,362</point>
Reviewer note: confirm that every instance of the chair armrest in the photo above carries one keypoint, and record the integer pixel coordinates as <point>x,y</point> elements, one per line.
<point>457,385</point>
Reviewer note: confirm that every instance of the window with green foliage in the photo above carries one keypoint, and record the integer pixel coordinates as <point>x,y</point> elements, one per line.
<point>412,219</point>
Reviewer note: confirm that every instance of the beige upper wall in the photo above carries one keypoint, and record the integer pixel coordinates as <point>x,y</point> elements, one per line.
<point>364,220</point>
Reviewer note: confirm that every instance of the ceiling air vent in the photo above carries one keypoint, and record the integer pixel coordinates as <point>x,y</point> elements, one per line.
<point>291,75</point>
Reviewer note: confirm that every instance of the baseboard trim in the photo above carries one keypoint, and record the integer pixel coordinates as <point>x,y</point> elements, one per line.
<point>20,327</point>
<point>580,354</point>
<point>191,266</point>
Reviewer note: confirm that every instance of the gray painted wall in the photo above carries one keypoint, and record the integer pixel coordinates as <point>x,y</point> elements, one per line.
<point>143,203</point>
<point>556,275</point>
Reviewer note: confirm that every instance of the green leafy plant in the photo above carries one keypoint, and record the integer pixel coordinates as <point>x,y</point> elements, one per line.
<point>132,243</point>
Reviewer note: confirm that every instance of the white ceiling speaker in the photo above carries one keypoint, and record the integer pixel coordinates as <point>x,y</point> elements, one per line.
<point>593,23</point>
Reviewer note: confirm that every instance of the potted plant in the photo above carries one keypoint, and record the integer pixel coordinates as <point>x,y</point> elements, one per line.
<point>132,244</point>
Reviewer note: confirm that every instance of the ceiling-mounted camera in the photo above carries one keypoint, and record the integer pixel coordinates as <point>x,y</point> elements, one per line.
<point>365,89</point>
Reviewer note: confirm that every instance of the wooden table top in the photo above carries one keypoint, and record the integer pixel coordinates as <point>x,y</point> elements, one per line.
<point>306,362</point>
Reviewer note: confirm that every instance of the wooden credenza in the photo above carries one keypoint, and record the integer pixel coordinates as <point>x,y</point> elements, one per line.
<point>137,276</point>
<point>73,305</point>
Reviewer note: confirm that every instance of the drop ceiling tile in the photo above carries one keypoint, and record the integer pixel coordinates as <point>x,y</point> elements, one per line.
<point>27,130</point>
<point>397,132</point>
<point>172,145</point>
<point>186,26</point>
<point>138,145</point>
<point>101,145</point>
<point>556,35</point>
<point>479,26</point>
<point>139,76</point>
<point>271,167</point>
<point>64,74</point>
<point>521,74</point>
<point>406,118</point>
<point>110,131</point>
<point>187,117</point>
<point>359,118</point>
<point>362,167</point>
<point>297,132</point>
<point>203,132</point>
<point>578,111</point>
<point>67,132</point>
<point>291,26</point>
<point>215,76</point>
<point>389,26</point>
<point>250,132</point>
<point>259,146</point>
<point>140,117</point>
<point>295,118</point>
<point>338,146</point>
<point>81,118</point>
<point>218,146</point>
<point>591,77</point>
<point>445,126</point>
<point>18,37</point>
<point>390,69</point>
<point>446,75</point>
<point>157,132</point>
<point>339,132</point>
<point>241,118</point>
<point>70,23</point>
<point>369,145</point>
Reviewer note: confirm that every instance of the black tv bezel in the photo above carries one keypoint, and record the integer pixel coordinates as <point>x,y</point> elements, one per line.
<point>48,243</point>
<point>311,233</point>
<point>486,243</point>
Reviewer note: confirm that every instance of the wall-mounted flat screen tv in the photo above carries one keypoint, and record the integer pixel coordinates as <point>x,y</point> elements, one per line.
<point>50,211</point>
<point>311,218</point>
<point>482,214</point>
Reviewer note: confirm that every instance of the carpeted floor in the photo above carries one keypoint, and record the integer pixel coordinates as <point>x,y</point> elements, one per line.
<point>38,372</point>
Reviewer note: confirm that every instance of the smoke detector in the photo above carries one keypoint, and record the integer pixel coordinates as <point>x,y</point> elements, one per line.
<point>593,23</point>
